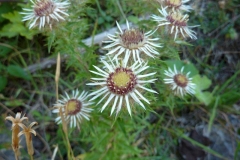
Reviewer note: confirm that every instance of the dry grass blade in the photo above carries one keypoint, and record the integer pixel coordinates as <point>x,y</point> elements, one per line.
<point>57,75</point>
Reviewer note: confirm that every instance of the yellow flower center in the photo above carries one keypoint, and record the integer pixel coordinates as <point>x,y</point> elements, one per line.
<point>73,107</point>
<point>181,80</point>
<point>132,38</point>
<point>173,3</point>
<point>122,81</point>
<point>177,19</point>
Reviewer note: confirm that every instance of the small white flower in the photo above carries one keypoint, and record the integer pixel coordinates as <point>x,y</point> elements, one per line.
<point>45,12</point>
<point>176,23</point>
<point>74,108</point>
<point>177,5</point>
<point>180,83</point>
<point>121,83</point>
<point>132,43</point>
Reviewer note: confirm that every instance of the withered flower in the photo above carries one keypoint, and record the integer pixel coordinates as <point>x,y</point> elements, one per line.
<point>27,132</point>
<point>16,122</point>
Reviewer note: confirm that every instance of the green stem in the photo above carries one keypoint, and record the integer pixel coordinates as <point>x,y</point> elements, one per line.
<point>65,132</point>
<point>121,10</point>
<point>31,157</point>
<point>70,152</point>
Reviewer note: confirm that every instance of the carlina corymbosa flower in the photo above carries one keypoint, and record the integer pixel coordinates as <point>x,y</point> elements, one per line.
<point>45,12</point>
<point>28,131</point>
<point>132,43</point>
<point>122,83</point>
<point>175,5</point>
<point>15,130</point>
<point>179,82</point>
<point>75,107</point>
<point>176,23</point>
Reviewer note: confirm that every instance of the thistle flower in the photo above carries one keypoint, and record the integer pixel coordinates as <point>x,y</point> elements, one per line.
<point>45,12</point>
<point>15,130</point>
<point>74,108</point>
<point>180,83</point>
<point>176,23</point>
<point>133,43</point>
<point>177,5</point>
<point>28,136</point>
<point>121,83</point>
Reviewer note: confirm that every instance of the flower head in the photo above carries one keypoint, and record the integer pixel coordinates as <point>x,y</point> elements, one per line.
<point>121,83</point>
<point>16,122</point>
<point>176,23</point>
<point>28,131</point>
<point>133,43</point>
<point>45,12</point>
<point>74,108</point>
<point>177,5</point>
<point>180,83</point>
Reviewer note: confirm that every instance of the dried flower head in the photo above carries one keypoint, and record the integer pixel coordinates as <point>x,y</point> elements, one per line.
<point>179,82</point>
<point>175,5</point>
<point>28,131</point>
<point>17,120</point>
<point>176,23</point>
<point>121,83</point>
<point>133,43</point>
<point>74,108</point>
<point>15,129</point>
<point>45,12</point>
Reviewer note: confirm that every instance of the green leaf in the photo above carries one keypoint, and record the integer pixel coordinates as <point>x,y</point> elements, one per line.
<point>13,16</point>
<point>133,19</point>
<point>122,127</point>
<point>229,97</point>
<point>13,29</point>
<point>202,83</point>
<point>17,71</point>
<point>16,27</point>
<point>183,43</point>
<point>3,82</point>
<point>39,116</point>
<point>4,50</point>
<point>4,8</point>
<point>10,30</point>
<point>14,103</point>
<point>51,39</point>
<point>213,114</point>
<point>100,20</point>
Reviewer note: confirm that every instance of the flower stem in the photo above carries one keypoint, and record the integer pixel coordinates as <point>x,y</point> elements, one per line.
<point>16,154</point>
<point>31,157</point>
<point>15,140</point>
<point>64,125</point>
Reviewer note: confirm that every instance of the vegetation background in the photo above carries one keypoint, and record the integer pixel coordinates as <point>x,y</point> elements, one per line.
<point>205,126</point>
